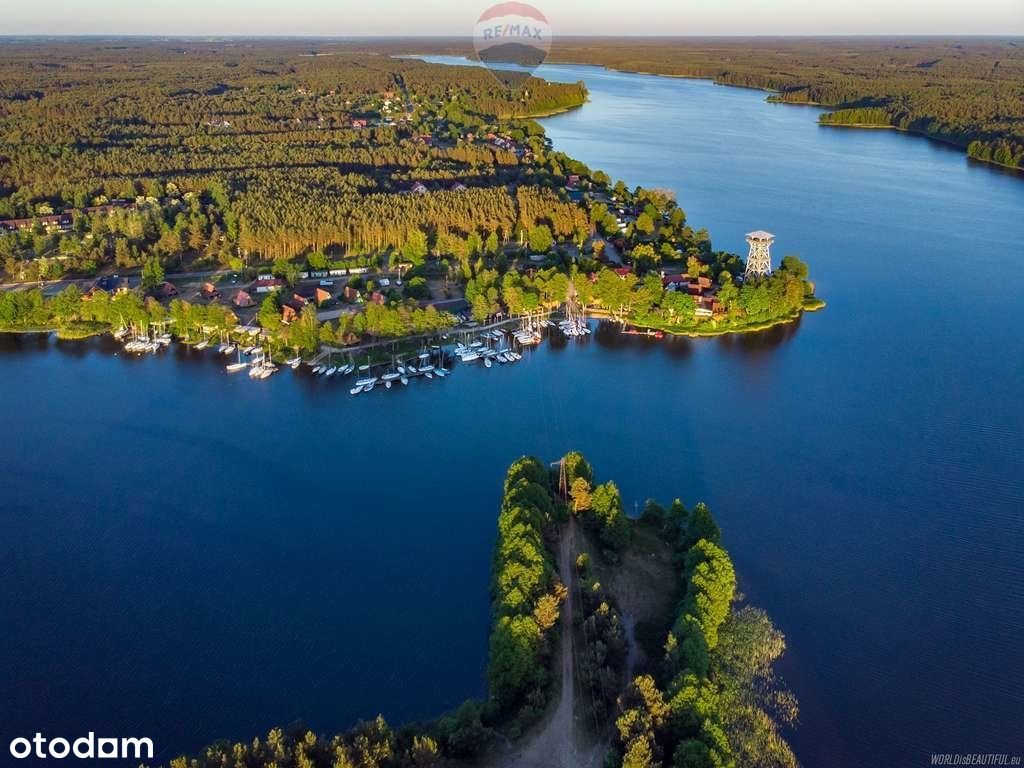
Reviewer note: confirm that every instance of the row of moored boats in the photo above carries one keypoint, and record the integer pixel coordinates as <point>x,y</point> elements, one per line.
<point>489,347</point>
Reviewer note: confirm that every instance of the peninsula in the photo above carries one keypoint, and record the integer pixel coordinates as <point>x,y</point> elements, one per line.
<point>325,203</point>
<point>614,642</point>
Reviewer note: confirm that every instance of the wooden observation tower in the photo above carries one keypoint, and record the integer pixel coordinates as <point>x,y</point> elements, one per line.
<point>759,260</point>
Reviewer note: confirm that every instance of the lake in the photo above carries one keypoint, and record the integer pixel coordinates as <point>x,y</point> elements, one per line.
<point>191,556</point>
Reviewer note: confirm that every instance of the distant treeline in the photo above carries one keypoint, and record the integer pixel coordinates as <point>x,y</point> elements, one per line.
<point>956,90</point>
<point>861,116</point>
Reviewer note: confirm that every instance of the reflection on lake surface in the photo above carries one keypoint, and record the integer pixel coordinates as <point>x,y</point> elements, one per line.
<point>197,556</point>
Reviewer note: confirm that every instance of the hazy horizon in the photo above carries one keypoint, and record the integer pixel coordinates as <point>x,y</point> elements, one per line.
<point>455,18</point>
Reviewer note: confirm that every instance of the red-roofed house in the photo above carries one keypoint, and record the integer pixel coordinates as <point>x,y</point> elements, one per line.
<point>242,300</point>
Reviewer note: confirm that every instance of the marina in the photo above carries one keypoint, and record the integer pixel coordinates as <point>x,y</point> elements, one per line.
<point>502,343</point>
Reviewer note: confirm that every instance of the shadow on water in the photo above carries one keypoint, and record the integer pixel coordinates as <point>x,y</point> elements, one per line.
<point>14,343</point>
<point>760,343</point>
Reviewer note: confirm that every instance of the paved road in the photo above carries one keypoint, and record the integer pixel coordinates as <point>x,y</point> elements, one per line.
<point>52,287</point>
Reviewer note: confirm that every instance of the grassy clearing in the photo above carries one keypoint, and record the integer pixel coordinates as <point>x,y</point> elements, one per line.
<point>644,585</point>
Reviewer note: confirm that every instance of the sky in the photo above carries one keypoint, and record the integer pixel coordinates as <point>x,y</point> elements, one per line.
<point>456,17</point>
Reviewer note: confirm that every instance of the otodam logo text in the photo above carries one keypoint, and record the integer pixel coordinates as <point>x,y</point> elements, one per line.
<point>87,747</point>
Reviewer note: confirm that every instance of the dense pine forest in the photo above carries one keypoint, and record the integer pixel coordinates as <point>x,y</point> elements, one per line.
<point>82,124</point>
<point>968,92</point>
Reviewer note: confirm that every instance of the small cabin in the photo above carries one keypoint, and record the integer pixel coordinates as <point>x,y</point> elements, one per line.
<point>242,300</point>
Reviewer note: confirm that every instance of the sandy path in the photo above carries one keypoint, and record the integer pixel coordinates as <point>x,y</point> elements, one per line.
<point>556,742</point>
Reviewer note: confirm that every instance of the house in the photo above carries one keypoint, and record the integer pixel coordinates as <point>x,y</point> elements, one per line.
<point>242,300</point>
<point>268,285</point>
<point>322,296</point>
<point>166,290</point>
<point>113,205</point>
<point>573,180</point>
<point>704,282</point>
<point>708,306</point>
<point>297,302</point>
<point>288,313</point>
<point>623,272</point>
<point>209,291</point>
<point>672,282</point>
<point>349,293</point>
<point>377,298</point>
<point>57,222</point>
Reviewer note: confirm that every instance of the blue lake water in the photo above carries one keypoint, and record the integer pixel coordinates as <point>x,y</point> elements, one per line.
<point>192,556</point>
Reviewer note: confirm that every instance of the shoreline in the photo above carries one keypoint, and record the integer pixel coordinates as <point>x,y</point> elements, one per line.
<point>65,334</point>
<point>819,105</point>
<point>712,79</point>
<point>691,333</point>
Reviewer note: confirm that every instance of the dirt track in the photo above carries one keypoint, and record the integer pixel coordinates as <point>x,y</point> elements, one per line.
<point>556,742</point>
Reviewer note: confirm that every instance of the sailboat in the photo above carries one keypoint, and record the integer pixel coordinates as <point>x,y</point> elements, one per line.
<point>392,374</point>
<point>235,367</point>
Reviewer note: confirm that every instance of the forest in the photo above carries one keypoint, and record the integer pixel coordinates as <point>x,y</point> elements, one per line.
<point>120,158</point>
<point>205,156</point>
<point>966,92</point>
